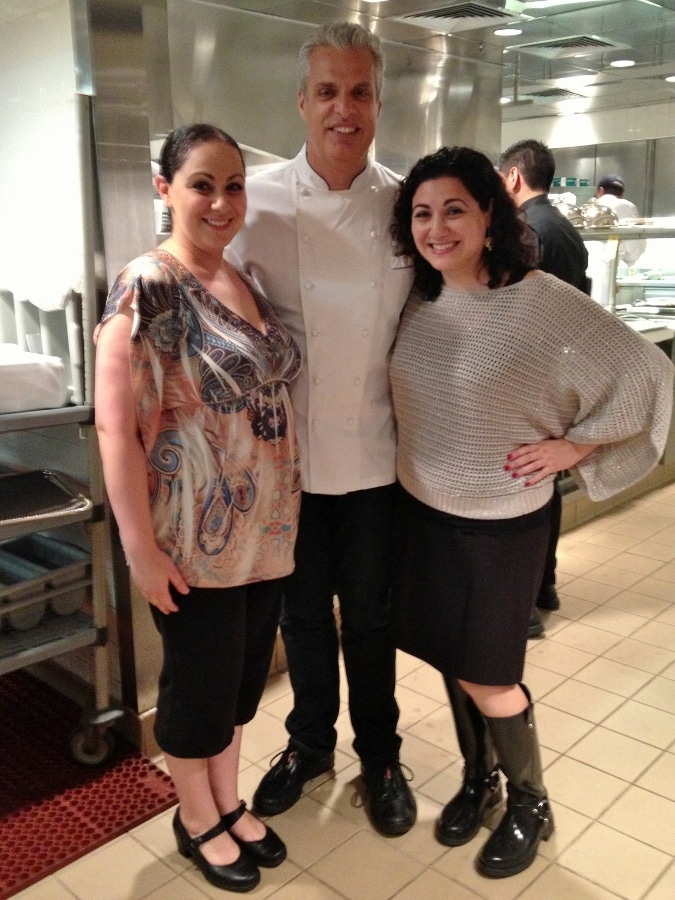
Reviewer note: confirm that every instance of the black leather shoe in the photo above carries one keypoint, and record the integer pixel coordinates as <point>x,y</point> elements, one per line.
<point>512,846</point>
<point>548,598</point>
<point>281,787</point>
<point>389,800</point>
<point>268,852</point>
<point>462,817</point>
<point>536,626</point>
<point>240,876</point>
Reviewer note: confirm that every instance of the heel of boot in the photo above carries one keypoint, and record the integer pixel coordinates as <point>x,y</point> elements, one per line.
<point>549,825</point>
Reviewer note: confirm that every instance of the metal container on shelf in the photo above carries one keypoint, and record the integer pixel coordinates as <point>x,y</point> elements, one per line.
<point>20,592</point>
<point>571,211</point>
<point>67,570</point>
<point>598,216</point>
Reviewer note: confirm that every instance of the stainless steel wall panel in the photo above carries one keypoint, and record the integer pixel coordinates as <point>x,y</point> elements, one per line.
<point>630,159</point>
<point>663,186</point>
<point>121,128</point>
<point>237,69</point>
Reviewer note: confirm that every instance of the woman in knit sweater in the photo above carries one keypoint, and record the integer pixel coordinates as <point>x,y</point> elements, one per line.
<point>502,375</point>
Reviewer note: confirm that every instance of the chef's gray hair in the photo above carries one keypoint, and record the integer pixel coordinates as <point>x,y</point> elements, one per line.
<point>341,36</point>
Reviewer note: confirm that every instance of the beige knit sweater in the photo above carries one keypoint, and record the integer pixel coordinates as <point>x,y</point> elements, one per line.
<point>476,374</point>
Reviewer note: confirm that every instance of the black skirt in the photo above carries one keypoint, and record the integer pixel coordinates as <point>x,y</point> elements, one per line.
<point>464,589</point>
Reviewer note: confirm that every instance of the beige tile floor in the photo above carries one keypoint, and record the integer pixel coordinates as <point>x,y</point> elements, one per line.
<point>604,680</point>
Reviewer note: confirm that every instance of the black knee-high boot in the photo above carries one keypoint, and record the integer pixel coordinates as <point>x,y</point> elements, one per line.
<point>528,820</point>
<point>481,788</point>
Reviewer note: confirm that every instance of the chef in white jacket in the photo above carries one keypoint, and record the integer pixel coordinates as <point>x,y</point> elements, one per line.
<point>610,192</point>
<point>317,242</point>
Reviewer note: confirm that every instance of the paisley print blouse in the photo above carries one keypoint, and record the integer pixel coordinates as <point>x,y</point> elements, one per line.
<point>216,423</point>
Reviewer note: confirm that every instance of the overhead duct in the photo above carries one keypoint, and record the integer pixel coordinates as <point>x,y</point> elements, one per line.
<point>574,45</point>
<point>555,94</point>
<point>466,17</point>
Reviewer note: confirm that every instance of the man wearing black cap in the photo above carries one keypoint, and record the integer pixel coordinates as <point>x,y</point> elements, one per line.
<point>610,193</point>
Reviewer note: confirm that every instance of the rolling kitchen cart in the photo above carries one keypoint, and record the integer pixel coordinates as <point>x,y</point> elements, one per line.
<point>53,595</point>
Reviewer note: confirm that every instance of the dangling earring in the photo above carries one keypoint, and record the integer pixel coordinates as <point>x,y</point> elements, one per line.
<point>487,243</point>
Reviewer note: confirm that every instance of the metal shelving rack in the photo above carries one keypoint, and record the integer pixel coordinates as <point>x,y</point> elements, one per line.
<point>56,634</point>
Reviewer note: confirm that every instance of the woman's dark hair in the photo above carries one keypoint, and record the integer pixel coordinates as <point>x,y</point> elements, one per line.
<point>512,253</point>
<point>181,141</point>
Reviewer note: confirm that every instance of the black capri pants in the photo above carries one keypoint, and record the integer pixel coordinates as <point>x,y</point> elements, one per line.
<point>464,589</point>
<point>217,653</point>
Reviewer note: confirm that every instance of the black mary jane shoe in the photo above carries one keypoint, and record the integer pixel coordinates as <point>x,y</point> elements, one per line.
<point>240,876</point>
<point>268,852</point>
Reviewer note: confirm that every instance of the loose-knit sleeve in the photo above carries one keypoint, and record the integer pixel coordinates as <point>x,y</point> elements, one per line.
<point>624,387</point>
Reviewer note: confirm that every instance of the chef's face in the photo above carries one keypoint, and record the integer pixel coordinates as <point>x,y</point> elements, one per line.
<point>340,107</point>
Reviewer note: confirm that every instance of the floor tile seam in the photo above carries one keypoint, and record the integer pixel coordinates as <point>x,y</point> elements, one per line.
<point>647,894</point>
<point>625,734</point>
<point>648,790</point>
<point>419,789</point>
<point>443,875</point>
<point>576,552</point>
<point>365,828</point>
<point>178,876</point>
<point>630,637</point>
<point>646,535</point>
<point>640,615</point>
<point>602,579</point>
<point>632,837</point>
<point>617,610</point>
<point>452,759</point>
<point>471,887</point>
<point>668,647</point>
<point>634,778</point>
<point>633,699</point>
<point>598,884</point>
<point>566,590</point>
<point>666,584</point>
<point>316,878</point>
<point>55,878</point>
<point>591,722</point>
<point>652,705</point>
<point>625,664</point>
<point>594,627</point>
<point>420,693</point>
<point>628,568</point>
<point>623,697</point>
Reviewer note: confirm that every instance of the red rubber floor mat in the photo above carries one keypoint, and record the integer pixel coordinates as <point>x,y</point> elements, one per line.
<point>54,810</point>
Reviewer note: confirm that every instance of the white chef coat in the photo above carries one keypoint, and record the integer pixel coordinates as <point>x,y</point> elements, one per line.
<point>327,262</point>
<point>629,251</point>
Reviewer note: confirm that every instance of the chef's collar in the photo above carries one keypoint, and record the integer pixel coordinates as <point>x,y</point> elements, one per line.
<point>308,176</point>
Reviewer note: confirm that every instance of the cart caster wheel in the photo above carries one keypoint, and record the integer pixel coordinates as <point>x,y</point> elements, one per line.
<point>91,747</point>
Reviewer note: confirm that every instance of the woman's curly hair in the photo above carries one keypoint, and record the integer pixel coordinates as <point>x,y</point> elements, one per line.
<point>513,250</point>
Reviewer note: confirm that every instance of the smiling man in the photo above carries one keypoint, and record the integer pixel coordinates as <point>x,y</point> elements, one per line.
<point>317,242</point>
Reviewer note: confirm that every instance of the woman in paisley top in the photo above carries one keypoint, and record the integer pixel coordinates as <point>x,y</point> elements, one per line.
<point>199,455</point>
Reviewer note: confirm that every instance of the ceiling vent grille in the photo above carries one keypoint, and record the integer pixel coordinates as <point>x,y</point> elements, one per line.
<point>555,94</point>
<point>575,45</point>
<point>465,17</point>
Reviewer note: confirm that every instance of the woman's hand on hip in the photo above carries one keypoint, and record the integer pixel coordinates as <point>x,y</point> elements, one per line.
<point>536,461</point>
